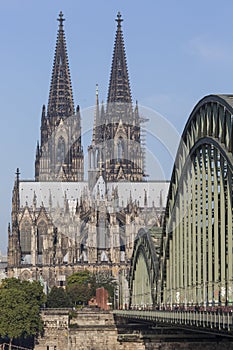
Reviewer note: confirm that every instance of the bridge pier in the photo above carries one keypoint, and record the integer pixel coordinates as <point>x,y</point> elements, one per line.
<point>157,334</point>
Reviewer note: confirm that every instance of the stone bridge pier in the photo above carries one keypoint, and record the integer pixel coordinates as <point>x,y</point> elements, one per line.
<point>91,329</point>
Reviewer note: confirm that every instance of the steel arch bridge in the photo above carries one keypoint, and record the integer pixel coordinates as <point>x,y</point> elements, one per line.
<point>143,271</point>
<point>195,260</point>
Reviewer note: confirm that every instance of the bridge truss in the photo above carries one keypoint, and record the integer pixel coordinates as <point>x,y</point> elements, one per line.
<point>143,271</point>
<point>195,260</point>
<point>196,253</point>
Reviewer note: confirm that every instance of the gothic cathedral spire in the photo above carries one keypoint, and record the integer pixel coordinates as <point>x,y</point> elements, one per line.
<point>119,87</point>
<point>59,157</point>
<point>96,116</point>
<point>60,96</point>
<point>116,151</point>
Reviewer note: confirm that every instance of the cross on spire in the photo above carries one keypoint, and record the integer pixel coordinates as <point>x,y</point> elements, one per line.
<point>61,19</point>
<point>119,19</point>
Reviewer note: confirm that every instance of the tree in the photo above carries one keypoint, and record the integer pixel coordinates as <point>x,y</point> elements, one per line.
<point>80,293</point>
<point>58,298</point>
<point>106,281</point>
<point>81,277</point>
<point>81,287</point>
<point>20,309</point>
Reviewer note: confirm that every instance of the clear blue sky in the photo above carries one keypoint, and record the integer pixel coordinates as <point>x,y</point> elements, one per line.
<point>177,52</point>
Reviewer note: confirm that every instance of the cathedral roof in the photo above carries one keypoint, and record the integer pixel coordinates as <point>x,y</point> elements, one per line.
<point>119,87</point>
<point>60,96</point>
<point>47,192</point>
<point>156,192</point>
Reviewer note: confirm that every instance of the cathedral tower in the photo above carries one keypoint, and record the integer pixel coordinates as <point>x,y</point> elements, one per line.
<point>58,228</point>
<point>59,157</point>
<point>116,150</point>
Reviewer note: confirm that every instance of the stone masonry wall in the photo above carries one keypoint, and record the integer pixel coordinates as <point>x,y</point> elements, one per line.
<point>88,330</point>
<point>96,330</point>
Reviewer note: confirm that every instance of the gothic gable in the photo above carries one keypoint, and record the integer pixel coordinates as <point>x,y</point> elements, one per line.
<point>43,216</point>
<point>25,215</point>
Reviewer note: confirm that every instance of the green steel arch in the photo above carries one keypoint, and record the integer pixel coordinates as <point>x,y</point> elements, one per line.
<point>143,271</point>
<point>196,265</point>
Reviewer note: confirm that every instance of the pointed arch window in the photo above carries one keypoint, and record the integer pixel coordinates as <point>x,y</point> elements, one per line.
<point>25,237</point>
<point>41,231</point>
<point>120,148</point>
<point>122,250</point>
<point>97,158</point>
<point>61,150</point>
<point>103,256</point>
<point>50,149</point>
<point>83,249</point>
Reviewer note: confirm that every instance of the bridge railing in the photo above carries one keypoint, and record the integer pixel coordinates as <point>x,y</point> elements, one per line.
<point>212,320</point>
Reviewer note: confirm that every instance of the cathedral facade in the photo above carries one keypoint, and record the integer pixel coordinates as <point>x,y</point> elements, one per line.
<point>62,223</point>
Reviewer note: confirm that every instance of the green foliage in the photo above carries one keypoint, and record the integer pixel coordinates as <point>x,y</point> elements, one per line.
<point>20,308</point>
<point>106,281</point>
<point>80,293</point>
<point>82,277</point>
<point>58,298</point>
<point>81,286</point>
<point>34,290</point>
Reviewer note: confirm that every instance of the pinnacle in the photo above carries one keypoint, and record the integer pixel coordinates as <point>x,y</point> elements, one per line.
<point>61,96</point>
<point>119,87</point>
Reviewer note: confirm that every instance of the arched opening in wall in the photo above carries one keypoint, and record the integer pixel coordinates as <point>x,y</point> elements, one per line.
<point>120,148</point>
<point>103,256</point>
<point>61,150</point>
<point>25,242</point>
<point>103,237</point>
<point>41,233</point>
<point>50,149</point>
<point>122,250</point>
<point>97,159</point>
<point>83,250</point>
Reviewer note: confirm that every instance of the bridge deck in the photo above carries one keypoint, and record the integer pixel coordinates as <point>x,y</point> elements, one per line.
<point>221,322</point>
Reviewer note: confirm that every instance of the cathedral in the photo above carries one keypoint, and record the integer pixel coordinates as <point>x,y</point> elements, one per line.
<point>61,222</point>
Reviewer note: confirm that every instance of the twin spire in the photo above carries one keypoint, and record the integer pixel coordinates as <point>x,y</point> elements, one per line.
<point>119,87</point>
<point>60,96</point>
<point>62,158</point>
